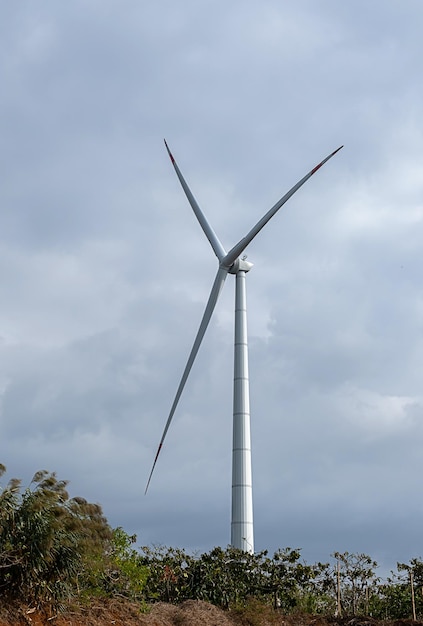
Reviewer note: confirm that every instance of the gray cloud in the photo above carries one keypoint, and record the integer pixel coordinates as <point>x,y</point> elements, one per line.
<point>104,273</point>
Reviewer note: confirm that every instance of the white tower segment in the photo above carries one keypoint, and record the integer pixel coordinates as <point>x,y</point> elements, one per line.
<point>242,535</point>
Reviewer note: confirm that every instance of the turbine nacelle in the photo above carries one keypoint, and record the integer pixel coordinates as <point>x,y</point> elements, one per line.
<point>240,265</point>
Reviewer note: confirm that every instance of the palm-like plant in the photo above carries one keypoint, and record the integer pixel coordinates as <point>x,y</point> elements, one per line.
<point>48,542</point>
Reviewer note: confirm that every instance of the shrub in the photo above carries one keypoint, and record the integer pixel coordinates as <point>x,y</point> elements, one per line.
<point>50,545</point>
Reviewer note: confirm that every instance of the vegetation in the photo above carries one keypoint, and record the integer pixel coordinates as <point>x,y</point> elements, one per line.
<point>50,545</point>
<point>55,550</point>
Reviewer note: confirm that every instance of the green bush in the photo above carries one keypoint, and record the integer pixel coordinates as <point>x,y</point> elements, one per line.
<point>126,574</point>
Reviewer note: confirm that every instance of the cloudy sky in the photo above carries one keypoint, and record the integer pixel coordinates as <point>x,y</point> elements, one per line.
<point>105,271</point>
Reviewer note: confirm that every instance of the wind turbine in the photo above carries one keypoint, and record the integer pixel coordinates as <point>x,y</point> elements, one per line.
<point>242,535</point>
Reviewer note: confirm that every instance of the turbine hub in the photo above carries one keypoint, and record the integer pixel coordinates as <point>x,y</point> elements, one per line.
<point>240,265</point>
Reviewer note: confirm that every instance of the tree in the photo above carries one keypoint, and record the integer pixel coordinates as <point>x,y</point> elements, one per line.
<point>357,579</point>
<point>409,580</point>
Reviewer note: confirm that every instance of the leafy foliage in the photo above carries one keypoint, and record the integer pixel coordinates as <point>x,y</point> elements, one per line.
<point>49,543</point>
<point>125,575</point>
<point>54,548</point>
<point>228,578</point>
<point>248,583</point>
<point>356,576</point>
<point>395,598</point>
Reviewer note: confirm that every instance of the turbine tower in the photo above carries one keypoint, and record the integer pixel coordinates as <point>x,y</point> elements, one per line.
<point>242,534</point>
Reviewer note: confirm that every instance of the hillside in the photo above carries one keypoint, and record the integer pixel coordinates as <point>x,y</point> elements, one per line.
<point>189,613</point>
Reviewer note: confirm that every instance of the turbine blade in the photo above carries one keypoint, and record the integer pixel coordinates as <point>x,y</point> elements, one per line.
<point>238,249</point>
<point>219,250</point>
<point>213,298</point>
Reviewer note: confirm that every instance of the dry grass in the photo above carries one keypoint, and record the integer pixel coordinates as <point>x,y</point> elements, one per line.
<point>189,613</point>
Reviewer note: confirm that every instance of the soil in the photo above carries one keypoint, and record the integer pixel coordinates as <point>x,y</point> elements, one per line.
<point>189,613</point>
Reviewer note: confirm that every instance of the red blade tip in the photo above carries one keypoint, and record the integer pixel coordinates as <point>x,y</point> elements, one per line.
<point>324,160</point>
<point>169,152</point>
